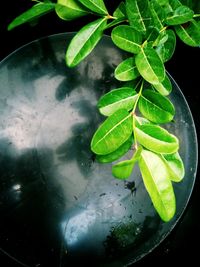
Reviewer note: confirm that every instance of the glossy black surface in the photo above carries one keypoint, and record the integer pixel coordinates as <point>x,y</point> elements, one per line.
<point>37,228</point>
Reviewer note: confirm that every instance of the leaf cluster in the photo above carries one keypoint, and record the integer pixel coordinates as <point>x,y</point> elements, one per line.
<point>135,115</point>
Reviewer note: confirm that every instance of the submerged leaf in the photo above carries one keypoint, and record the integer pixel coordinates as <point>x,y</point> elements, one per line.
<point>156,139</point>
<point>126,38</point>
<point>115,130</point>
<point>150,65</point>
<point>127,70</point>
<point>155,107</point>
<point>122,98</point>
<point>158,185</point>
<point>84,42</point>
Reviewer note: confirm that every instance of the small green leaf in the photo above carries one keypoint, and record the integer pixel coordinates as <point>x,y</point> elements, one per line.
<point>158,185</point>
<point>127,70</point>
<point>181,15</point>
<point>189,33</point>
<point>155,107</point>
<point>126,38</point>
<point>122,98</point>
<point>120,11</point>
<point>156,139</point>
<point>166,50</point>
<point>175,166</point>
<point>69,9</point>
<point>115,130</point>
<point>84,42</point>
<point>115,22</point>
<point>150,65</point>
<point>139,15</point>
<point>123,169</point>
<point>158,15</point>
<point>96,6</point>
<point>123,149</point>
<point>165,87</point>
<point>35,12</point>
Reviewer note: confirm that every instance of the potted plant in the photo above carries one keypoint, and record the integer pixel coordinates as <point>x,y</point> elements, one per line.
<point>137,112</point>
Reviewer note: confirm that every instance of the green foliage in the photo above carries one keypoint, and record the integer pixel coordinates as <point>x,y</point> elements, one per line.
<point>148,30</point>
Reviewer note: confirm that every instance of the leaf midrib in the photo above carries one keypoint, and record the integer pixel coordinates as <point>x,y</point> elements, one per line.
<point>117,102</point>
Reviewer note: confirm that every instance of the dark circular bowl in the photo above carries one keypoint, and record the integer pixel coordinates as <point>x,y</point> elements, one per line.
<point>58,206</point>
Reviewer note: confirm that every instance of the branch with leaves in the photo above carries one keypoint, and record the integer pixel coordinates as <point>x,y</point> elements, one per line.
<point>147,30</point>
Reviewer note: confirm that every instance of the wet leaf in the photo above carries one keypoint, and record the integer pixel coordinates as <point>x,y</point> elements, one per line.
<point>127,70</point>
<point>123,149</point>
<point>156,139</point>
<point>122,98</point>
<point>69,9</point>
<point>155,107</point>
<point>96,6</point>
<point>115,130</point>
<point>156,180</point>
<point>165,87</point>
<point>84,42</point>
<point>126,38</point>
<point>175,166</point>
<point>33,13</point>
<point>150,65</point>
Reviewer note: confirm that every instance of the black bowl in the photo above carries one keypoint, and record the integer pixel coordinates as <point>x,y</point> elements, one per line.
<point>58,206</point>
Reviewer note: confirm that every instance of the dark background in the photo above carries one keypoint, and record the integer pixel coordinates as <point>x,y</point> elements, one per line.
<point>183,243</point>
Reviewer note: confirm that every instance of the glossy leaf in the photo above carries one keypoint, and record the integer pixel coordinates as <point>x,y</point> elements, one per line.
<point>112,133</point>
<point>33,13</point>
<point>189,33</point>
<point>138,13</point>
<point>166,50</point>
<point>157,15</point>
<point>127,70</point>
<point>122,98</point>
<point>120,11</point>
<point>157,183</point>
<point>155,107</point>
<point>123,169</point>
<point>69,9</point>
<point>123,149</point>
<point>156,139</point>
<point>175,166</point>
<point>96,6</point>
<point>150,65</point>
<point>181,15</point>
<point>84,42</point>
<point>126,38</point>
<point>165,87</point>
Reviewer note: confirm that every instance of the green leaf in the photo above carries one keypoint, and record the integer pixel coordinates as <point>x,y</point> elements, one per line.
<point>138,13</point>
<point>165,87</point>
<point>150,65</point>
<point>126,38</point>
<point>69,9</point>
<point>158,185</point>
<point>122,98</point>
<point>181,15</point>
<point>157,15</point>
<point>35,12</point>
<point>84,42</point>
<point>166,50</point>
<point>127,70</point>
<point>115,22</point>
<point>96,6</point>
<point>112,133</point>
<point>189,33</point>
<point>175,166</point>
<point>124,148</point>
<point>120,11</point>
<point>155,107</point>
<point>123,169</point>
<point>156,139</point>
